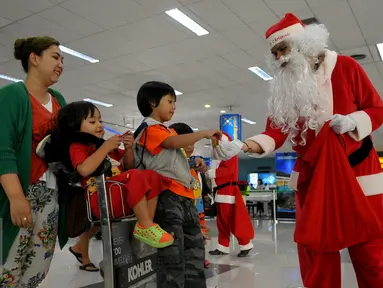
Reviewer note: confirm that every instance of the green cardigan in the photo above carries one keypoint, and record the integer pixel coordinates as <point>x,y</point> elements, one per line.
<point>16,153</point>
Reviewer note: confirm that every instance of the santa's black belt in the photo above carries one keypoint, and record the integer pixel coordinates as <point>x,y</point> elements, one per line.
<point>359,155</point>
<point>225,185</point>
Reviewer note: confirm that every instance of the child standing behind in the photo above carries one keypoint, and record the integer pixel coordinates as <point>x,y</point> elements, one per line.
<point>160,149</point>
<point>181,129</point>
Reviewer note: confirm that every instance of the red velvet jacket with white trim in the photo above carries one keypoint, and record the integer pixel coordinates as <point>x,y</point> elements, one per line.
<point>353,94</point>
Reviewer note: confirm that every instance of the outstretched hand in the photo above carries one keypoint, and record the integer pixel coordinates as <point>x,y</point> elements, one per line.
<point>226,150</point>
<point>214,134</point>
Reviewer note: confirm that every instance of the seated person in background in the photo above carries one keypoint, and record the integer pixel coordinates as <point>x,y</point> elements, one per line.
<point>260,185</point>
<point>79,126</point>
<point>260,208</point>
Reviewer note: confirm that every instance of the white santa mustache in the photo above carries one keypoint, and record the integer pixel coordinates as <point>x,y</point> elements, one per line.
<point>278,63</point>
<point>295,102</point>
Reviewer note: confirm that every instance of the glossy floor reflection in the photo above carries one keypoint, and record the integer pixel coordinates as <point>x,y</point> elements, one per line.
<point>273,263</point>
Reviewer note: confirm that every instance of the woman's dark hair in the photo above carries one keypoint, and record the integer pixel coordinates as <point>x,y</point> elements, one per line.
<point>70,117</point>
<point>181,128</point>
<point>150,94</point>
<point>23,47</point>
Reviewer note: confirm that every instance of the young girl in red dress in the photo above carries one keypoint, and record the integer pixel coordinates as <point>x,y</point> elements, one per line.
<point>79,125</point>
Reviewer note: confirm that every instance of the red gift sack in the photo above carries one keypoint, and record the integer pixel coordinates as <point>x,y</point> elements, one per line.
<point>334,213</point>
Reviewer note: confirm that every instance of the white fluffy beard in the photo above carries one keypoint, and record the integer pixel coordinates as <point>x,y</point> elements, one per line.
<point>295,103</point>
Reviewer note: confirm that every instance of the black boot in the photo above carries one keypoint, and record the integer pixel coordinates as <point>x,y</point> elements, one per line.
<point>243,253</point>
<point>216,252</point>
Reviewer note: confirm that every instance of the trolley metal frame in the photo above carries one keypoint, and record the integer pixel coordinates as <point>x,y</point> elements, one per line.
<point>106,223</point>
<point>106,231</point>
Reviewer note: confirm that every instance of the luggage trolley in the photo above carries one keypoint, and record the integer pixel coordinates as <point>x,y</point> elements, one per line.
<point>127,262</point>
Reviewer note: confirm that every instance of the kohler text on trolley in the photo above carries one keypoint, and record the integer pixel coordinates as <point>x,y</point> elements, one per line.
<point>139,270</point>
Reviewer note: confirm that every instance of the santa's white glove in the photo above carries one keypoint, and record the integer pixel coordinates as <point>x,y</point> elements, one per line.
<point>228,149</point>
<point>342,124</point>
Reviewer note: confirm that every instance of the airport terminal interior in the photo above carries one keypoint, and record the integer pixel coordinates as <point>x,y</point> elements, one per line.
<point>214,54</point>
<point>272,263</point>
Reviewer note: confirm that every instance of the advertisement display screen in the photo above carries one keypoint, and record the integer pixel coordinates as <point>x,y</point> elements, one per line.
<point>284,164</point>
<point>267,179</point>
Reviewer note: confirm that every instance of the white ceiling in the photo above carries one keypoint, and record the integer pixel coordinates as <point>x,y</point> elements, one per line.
<point>136,42</point>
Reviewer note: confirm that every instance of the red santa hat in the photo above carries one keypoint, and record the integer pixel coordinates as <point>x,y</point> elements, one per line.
<point>288,25</point>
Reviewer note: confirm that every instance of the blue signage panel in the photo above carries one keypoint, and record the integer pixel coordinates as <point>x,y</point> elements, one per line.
<point>231,124</point>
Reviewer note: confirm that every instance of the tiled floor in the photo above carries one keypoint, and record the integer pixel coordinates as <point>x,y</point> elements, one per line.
<point>273,263</point>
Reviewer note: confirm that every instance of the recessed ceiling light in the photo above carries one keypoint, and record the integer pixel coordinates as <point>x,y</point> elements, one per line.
<point>207,106</point>
<point>98,102</point>
<point>78,54</point>
<point>187,22</point>
<point>260,73</point>
<point>178,92</point>
<point>248,121</point>
<point>5,77</point>
<point>380,49</point>
<point>223,111</point>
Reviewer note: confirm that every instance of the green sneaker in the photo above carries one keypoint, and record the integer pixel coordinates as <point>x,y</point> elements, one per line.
<point>154,236</point>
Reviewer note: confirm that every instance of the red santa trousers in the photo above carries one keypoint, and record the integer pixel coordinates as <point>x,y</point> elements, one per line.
<point>323,270</point>
<point>131,188</point>
<point>332,214</point>
<point>234,218</point>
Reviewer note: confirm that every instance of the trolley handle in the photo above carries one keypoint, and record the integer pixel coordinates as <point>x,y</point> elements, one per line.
<point>106,232</point>
<point>117,186</point>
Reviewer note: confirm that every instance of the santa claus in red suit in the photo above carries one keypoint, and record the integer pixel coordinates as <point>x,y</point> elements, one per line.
<point>326,107</point>
<point>232,214</point>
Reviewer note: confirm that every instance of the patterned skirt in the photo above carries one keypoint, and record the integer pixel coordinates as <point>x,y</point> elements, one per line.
<point>31,254</point>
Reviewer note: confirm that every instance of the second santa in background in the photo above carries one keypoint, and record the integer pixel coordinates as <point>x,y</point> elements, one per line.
<point>232,215</point>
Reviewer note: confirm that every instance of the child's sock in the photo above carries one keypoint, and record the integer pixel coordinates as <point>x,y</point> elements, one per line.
<point>154,236</point>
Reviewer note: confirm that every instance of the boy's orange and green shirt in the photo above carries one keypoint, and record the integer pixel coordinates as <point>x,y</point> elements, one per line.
<point>155,135</point>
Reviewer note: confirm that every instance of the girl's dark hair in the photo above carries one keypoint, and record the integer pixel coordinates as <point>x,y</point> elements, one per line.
<point>150,94</point>
<point>70,117</point>
<point>67,127</point>
<point>23,47</point>
<point>181,128</point>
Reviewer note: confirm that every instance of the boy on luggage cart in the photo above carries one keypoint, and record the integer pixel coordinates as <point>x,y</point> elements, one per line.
<point>159,148</point>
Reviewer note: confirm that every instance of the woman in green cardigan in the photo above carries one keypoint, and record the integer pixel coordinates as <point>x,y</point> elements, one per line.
<point>28,191</point>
